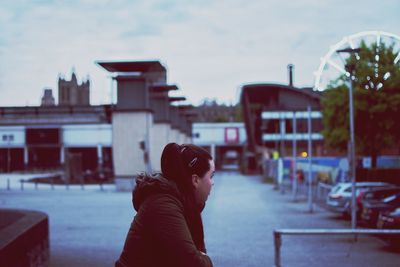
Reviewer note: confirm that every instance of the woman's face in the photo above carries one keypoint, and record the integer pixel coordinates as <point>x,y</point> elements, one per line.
<point>204,184</point>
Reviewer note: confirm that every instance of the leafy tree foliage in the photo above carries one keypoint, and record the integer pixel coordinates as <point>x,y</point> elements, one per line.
<point>211,111</point>
<point>376,99</point>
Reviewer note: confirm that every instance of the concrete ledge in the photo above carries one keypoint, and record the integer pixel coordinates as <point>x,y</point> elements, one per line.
<point>24,238</point>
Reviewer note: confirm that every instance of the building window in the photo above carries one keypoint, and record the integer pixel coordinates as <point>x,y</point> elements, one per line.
<point>8,137</point>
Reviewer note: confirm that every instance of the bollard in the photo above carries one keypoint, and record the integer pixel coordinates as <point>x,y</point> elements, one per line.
<point>82,183</point>
<point>36,185</point>
<point>277,243</point>
<point>22,184</point>
<point>8,184</point>
<point>52,183</point>
<point>101,186</point>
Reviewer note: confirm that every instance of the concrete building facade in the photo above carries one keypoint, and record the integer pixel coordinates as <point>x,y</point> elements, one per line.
<point>124,138</point>
<point>225,141</point>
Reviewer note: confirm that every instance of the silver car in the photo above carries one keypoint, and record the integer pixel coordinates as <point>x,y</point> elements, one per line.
<point>339,198</point>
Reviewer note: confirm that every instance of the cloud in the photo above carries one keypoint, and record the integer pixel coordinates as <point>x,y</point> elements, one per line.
<point>209,47</point>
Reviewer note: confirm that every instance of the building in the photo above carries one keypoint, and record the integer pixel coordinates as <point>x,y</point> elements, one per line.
<point>125,138</point>
<point>280,120</point>
<point>48,99</point>
<point>225,141</point>
<point>70,93</point>
<point>34,138</point>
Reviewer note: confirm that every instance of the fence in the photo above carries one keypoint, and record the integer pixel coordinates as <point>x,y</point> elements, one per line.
<point>12,183</point>
<point>283,181</point>
<point>322,193</point>
<point>319,191</point>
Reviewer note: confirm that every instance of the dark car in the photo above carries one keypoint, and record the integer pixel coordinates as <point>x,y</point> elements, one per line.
<point>375,194</point>
<point>389,220</point>
<point>373,208</point>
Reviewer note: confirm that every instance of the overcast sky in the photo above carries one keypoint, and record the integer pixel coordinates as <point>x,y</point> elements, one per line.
<point>210,48</point>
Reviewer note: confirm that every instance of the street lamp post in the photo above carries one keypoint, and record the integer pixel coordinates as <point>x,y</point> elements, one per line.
<point>309,156</point>
<point>349,72</point>
<point>352,154</point>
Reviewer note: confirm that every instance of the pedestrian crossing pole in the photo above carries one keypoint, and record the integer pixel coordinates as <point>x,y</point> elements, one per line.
<point>294,149</point>
<point>310,178</point>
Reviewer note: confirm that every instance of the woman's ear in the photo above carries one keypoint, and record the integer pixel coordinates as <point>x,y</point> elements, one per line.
<point>195,180</point>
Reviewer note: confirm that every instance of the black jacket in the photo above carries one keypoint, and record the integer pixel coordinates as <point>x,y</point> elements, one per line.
<point>159,234</point>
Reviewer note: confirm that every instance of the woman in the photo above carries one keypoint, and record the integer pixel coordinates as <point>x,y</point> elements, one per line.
<point>167,229</point>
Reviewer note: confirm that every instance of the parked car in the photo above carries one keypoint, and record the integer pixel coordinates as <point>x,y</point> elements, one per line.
<point>374,194</point>
<point>339,198</point>
<point>373,208</point>
<point>389,220</point>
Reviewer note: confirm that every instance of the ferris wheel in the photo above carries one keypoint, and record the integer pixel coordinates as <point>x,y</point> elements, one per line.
<point>332,64</point>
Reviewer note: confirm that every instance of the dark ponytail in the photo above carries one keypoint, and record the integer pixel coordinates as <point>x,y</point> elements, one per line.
<point>173,169</point>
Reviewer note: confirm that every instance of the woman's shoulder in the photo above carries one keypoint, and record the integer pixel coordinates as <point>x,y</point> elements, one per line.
<point>160,208</point>
<point>163,201</point>
<point>153,187</point>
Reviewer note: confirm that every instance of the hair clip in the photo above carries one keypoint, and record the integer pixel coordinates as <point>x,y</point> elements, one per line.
<point>183,149</point>
<point>191,164</point>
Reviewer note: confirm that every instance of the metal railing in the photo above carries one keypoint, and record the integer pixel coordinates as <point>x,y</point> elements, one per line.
<point>319,191</point>
<point>322,193</point>
<point>279,232</point>
<point>35,185</point>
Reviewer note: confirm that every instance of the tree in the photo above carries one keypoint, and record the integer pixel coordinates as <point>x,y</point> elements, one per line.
<point>376,89</point>
<point>211,111</point>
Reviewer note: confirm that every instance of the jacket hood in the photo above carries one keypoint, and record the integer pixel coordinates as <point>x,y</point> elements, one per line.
<point>147,185</point>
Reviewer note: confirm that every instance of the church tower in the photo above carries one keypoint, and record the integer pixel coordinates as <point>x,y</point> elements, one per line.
<point>70,93</point>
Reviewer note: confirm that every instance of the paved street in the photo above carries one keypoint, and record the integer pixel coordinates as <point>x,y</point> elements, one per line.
<point>243,212</point>
<point>88,227</point>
